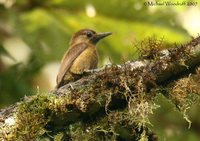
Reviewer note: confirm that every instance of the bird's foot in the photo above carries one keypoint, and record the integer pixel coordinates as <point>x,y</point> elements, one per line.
<point>91,71</point>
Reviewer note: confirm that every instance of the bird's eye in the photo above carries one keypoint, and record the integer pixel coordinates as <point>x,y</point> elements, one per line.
<point>89,34</point>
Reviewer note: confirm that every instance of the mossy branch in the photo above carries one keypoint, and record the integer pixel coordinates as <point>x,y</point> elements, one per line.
<point>126,91</point>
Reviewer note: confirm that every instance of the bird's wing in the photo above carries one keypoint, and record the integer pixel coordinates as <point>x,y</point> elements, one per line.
<point>68,60</point>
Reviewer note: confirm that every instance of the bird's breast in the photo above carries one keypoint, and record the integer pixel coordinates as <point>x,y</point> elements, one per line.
<point>87,60</point>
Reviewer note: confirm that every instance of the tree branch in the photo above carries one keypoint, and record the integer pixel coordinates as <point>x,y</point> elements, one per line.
<point>102,93</point>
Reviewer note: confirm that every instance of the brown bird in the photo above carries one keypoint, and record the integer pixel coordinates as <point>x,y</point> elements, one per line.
<point>81,56</point>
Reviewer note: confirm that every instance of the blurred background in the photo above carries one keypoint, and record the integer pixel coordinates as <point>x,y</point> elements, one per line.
<point>34,34</point>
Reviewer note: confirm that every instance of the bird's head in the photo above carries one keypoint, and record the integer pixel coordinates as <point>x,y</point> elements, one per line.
<point>88,36</point>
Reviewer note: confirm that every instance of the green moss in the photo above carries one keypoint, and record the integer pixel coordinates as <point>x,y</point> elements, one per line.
<point>130,85</point>
<point>185,92</point>
<point>33,114</point>
<point>31,117</point>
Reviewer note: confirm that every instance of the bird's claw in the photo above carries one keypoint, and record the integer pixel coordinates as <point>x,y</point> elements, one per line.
<point>90,71</point>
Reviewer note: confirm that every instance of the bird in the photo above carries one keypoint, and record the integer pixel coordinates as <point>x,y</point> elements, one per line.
<point>80,57</point>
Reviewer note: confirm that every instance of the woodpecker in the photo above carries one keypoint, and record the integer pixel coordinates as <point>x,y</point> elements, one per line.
<point>81,56</point>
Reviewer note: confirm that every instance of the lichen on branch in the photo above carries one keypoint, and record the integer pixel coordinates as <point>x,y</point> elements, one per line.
<point>122,96</point>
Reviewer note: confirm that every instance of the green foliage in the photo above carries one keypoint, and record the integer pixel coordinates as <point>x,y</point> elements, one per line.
<point>46,27</point>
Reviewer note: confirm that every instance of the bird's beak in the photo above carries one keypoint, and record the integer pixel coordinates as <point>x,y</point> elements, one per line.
<point>100,36</point>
